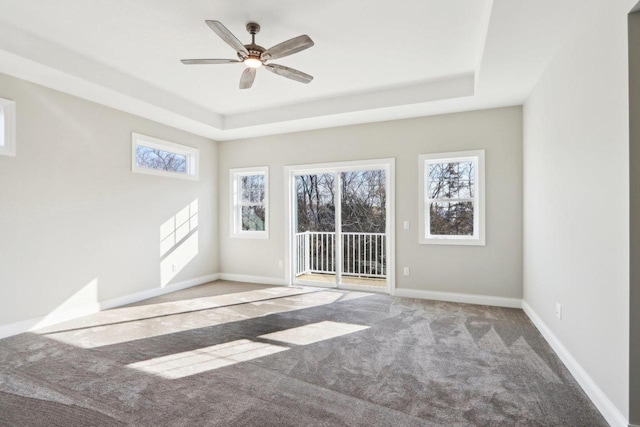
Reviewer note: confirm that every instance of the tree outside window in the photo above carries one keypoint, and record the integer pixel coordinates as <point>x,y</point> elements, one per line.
<point>452,198</point>
<point>249,202</point>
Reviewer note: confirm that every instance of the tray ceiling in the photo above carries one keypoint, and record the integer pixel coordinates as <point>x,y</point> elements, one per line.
<point>397,59</point>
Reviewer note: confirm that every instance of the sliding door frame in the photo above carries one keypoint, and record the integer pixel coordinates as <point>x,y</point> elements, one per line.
<point>290,172</point>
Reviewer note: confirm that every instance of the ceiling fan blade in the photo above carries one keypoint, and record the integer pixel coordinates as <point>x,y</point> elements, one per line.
<point>289,73</point>
<point>208,61</point>
<point>227,36</point>
<point>288,47</point>
<point>248,76</point>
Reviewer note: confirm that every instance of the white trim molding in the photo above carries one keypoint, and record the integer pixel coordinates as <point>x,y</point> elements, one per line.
<point>608,410</point>
<point>139,296</point>
<point>458,297</point>
<point>85,310</point>
<point>260,280</point>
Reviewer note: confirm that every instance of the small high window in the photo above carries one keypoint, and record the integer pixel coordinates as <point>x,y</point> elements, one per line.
<point>158,157</point>
<point>452,198</point>
<point>249,202</point>
<point>7,127</point>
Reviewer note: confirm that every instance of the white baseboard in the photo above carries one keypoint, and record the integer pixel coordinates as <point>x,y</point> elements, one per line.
<point>63,316</point>
<point>456,297</point>
<point>18,327</point>
<point>608,410</point>
<point>252,279</point>
<point>155,292</point>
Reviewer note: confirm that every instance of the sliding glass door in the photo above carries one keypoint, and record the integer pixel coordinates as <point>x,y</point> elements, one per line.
<point>339,220</point>
<point>363,227</point>
<point>315,220</point>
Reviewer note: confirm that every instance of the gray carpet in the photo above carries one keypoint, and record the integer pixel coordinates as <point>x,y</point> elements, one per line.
<point>247,355</point>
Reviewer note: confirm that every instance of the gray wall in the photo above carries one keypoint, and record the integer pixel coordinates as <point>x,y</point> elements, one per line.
<point>493,270</point>
<point>634,191</point>
<point>576,198</point>
<point>76,226</point>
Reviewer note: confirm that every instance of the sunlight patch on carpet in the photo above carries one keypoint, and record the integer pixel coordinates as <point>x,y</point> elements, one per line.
<point>314,332</point>
<point>205,359</point>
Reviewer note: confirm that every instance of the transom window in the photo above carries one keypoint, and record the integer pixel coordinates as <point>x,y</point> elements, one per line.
<point>249,193</point>
<point>7,127</point>
<point>452,199</point>
<point>158,157</point>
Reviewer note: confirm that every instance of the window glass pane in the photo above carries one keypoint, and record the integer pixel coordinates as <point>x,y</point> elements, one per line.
<point>364,201</point>
<point>315,203</point>
<point>253,189</point>
<point>253,218</point>
<point>451,218</point>
<point>451,189</point>
<point>451,180</point>
<point>153,158</point>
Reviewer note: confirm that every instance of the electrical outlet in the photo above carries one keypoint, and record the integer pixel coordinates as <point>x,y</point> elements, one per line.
<point>174,267</point>
<point>558,311</point>
<point>406,225</point>
<point>406,271</point>
<point>280,263</point>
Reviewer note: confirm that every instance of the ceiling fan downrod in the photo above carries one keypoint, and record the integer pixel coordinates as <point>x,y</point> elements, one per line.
<point>253,29</point>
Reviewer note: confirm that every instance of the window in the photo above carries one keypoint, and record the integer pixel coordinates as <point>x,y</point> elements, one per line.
<point>452,198</point>
<point>154,156</point>
<point>7,127</point>
<point>249,202</point>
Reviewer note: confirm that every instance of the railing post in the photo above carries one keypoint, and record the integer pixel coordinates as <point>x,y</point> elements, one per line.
<point>307,250</point>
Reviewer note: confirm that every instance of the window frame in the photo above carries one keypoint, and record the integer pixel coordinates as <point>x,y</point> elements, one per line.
<point>8,147</point>
<point>479,225</point>
<point>191,153</point>
<point>235,190</point>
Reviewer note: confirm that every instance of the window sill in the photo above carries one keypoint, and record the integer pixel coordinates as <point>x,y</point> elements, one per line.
<point>258,235</point>
<point>453,241</point>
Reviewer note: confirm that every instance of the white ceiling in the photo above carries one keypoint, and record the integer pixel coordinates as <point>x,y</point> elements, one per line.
<point>371,61</point>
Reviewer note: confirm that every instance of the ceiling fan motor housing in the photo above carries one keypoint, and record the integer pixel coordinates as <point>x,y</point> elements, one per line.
<point>254,51</point>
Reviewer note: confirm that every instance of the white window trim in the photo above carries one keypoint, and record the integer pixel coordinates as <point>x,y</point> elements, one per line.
<point>8,148</point>
<point>235,194</point>
<point>192,154</point>
<point>478,239</point>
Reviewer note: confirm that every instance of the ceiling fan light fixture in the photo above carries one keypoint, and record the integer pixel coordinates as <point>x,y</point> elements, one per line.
<point>253,62</point>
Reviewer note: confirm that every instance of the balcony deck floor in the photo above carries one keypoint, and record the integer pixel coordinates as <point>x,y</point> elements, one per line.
<point>346,280</point>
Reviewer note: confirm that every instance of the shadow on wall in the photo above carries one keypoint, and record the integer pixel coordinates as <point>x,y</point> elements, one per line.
<point>178,242</point>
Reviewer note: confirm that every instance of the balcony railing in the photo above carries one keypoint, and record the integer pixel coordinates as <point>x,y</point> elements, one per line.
<point>364,254</point>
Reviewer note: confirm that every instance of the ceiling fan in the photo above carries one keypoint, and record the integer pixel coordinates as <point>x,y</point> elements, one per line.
<point>254,56</point>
